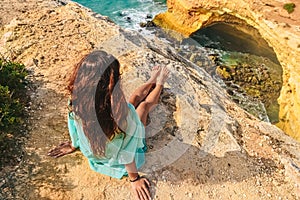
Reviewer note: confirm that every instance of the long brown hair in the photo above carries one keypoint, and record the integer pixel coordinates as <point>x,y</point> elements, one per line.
<point>97,98</point>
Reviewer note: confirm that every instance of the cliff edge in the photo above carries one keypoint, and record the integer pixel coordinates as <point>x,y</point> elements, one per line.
<point>200,143</point>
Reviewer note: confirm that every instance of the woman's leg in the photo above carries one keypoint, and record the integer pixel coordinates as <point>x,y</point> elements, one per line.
<point>141,92</point>
<point>151,100</point>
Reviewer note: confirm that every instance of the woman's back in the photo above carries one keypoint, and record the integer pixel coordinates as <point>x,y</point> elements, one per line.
<point>122,149</point>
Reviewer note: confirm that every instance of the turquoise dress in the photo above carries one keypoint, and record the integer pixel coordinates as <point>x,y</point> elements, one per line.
<point>118,152</point>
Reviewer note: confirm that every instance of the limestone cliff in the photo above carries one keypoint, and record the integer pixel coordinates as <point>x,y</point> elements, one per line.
<point>201,145</point>
<point>280,29</point>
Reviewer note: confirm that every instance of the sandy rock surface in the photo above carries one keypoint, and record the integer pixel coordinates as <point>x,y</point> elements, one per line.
<point>201,144</point>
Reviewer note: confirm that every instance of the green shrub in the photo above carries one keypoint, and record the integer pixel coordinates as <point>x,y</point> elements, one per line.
<point>11,110</point>
<point>13,75</point>
<point>289,7</point>
<point>12,96</point>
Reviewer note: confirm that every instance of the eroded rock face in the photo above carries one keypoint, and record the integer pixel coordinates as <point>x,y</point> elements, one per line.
<point>201,144</point>
<point>280,29</point>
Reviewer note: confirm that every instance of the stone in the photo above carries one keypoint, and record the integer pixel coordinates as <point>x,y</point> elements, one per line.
<point>187,17</point>
<point>193,102</point>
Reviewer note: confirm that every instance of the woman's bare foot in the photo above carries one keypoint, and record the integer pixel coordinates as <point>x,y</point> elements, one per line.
<point>154,74</point>
<point>164,74</point>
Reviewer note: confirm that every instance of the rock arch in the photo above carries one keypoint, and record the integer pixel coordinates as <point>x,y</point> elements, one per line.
<point>280,30</point>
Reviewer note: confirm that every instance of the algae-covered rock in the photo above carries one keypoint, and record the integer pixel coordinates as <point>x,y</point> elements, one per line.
<point>222,71</point>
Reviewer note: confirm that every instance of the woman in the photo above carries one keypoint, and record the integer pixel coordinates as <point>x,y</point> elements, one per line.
<point>109,131</point>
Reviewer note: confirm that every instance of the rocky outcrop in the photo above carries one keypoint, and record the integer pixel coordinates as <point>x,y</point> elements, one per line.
<point>201,144</point>
<point>280,29</point>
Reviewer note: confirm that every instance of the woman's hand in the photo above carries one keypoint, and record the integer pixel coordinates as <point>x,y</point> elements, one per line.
<point>140,185</point>
<point>62,149</point>
<point>141,189</point>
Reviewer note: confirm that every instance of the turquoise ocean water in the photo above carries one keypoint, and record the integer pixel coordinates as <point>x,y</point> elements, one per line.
<point>127,14</point>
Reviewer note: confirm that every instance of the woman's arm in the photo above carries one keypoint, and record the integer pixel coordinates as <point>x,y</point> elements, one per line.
<point>140,185</point>
<point>69,146</point>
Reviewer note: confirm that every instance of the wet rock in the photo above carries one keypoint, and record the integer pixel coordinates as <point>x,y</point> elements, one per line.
<point>128,19</point>
<point>147,24</point>
<point>149,16</point>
